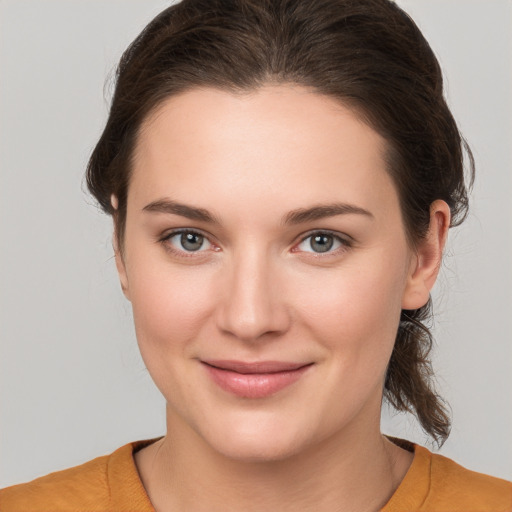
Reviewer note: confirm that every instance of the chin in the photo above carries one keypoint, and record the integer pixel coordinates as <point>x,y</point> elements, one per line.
<point>257,441</point>
<point>257,450</point>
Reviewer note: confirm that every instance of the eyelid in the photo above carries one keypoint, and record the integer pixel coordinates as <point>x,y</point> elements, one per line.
<point>164,239</point>
<point>346,241</point>
<point>342,236</point>
<point>177,231</point>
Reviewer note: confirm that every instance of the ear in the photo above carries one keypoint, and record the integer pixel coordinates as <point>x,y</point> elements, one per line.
<point>426,261</point>
<point>120,264</point>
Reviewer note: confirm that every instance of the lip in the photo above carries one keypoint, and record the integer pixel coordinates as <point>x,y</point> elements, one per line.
<point>254,380</point>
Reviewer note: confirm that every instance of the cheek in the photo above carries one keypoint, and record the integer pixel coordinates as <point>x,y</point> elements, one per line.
<point>170,305</point>
<point>354,310</point>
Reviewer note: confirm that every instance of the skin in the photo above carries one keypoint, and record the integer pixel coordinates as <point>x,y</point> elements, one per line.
<point>257,291</point>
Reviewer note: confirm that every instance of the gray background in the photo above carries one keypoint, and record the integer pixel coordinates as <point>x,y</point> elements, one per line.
<point>72,384</point>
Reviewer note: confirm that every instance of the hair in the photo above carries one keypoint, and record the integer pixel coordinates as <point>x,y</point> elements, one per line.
<point>369,55</point>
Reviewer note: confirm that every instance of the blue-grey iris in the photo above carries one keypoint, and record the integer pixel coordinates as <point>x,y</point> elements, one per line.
<point>322,243</point>
<point>191,241</point>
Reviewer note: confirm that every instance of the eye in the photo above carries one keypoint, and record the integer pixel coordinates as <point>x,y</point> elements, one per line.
<point>321,242</point>
<point>187,241</point>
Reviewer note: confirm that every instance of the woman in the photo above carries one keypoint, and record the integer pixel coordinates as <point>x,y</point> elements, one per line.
<point>282,176</point>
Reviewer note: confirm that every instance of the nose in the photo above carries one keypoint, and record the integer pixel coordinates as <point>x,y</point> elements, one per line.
<point>253,304</point>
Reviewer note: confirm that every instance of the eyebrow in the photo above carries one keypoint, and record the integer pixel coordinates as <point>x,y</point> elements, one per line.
<point>302,215</point>
<point>172,207</point>
<point>299,216</point>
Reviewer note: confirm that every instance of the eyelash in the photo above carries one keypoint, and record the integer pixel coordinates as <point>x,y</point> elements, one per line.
<point>165,240</point>
<point>345,243</point>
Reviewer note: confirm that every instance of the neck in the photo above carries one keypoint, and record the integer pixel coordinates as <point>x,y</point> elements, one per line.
<point>356,471</point>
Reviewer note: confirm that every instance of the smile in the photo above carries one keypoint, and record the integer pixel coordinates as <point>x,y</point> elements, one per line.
<point>254,380</point>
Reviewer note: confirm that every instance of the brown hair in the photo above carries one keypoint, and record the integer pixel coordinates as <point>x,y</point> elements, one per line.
<point>369,55</point>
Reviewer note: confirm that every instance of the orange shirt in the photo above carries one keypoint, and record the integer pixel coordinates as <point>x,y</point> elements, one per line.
<point>111,484</point>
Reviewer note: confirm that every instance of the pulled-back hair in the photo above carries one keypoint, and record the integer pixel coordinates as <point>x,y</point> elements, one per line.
<point>369,55</point>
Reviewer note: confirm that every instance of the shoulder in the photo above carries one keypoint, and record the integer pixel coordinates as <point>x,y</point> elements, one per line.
<point>106,483</point>
<point>84,485</point>
<point>467,490</point>
<point>435,483</point>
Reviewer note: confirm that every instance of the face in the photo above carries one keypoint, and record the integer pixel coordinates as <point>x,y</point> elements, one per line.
<point>267,264</point>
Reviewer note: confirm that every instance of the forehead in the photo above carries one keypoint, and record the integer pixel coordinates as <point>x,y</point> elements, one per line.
<point>285,143</point>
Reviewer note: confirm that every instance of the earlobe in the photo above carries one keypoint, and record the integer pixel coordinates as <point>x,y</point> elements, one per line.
<point>120,264</point>
<point>427,259</point>
<point>121,268</point>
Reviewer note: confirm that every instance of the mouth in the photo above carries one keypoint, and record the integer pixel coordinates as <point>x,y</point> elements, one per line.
<point>254,380</point>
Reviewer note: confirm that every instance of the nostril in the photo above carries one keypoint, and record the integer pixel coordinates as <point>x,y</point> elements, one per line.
<point>250,308</point>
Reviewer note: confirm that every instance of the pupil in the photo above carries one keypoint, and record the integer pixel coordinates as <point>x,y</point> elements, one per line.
<point>191,241</point>
<point>322,243</point>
